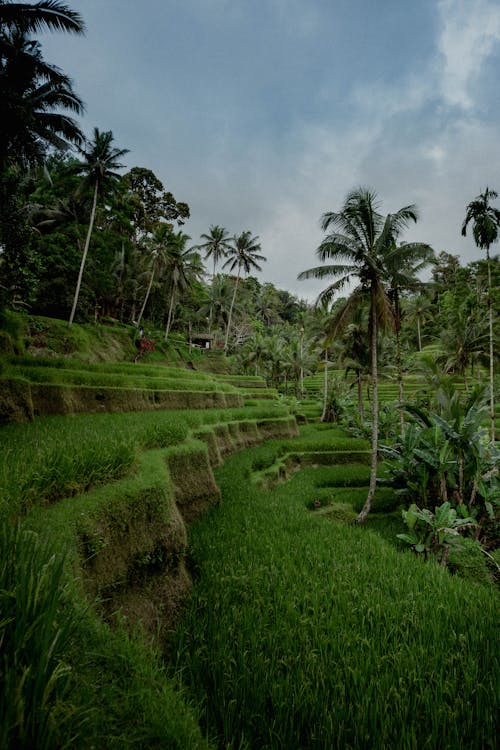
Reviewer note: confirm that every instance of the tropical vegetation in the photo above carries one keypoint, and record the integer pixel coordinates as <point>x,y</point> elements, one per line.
<point>158,591</point>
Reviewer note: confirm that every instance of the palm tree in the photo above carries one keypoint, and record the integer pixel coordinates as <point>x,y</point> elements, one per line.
<point>403,263</point>
<point>216,246</point>
<point>254,351</point>
<point>267,304</point>
<point>183,266</point>
<point>159,260</point>
<point>98,165</point>
<point>418,309</point>
<point>464,339</point>
<point>360,241</point>
<point>220,295</point>
<point>242,254</point>
<point>35,99</point>
<point>354,354</point>
<point>486,224</point>
<point>278,359</point>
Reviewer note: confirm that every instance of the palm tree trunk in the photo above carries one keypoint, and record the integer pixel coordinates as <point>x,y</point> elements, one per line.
<point>211,304</point>
<point>361,408</point>
<point>399,365</point>
<point>84,256</point>
<point>302,362</point>
<point>490,322</point>
<point>373,467</point>
<point>231,311</point>
<point>325,386</point>
<point>418,334</point>
<point>170,312</point>
<point>146,297</point>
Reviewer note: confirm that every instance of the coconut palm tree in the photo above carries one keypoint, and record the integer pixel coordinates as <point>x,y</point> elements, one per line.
<point>403,263</point>
<point>35,101</point>
<point>216,246</point>
<point>266,305</point>
<point>183,267</point>
<point>354,354</point>
<point>254,351</point>
<point>220,295</point>
<point>485,219</point>
<point>159,245</point>
<point>100,159</point>
<point>418,310</point>
<point>358,242</point>
<point>243,254</point>
<point>464,339</point>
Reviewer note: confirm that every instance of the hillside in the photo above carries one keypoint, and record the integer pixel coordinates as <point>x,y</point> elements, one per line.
<point>177,538</point>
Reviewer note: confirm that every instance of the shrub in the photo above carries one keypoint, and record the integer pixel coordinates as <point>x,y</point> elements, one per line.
<point>435,533</point>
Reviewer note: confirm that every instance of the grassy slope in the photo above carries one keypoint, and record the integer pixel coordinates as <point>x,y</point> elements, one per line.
<point>303,631</point>
<point>306,632</point>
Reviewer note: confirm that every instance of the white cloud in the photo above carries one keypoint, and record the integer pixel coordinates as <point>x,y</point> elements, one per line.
<point>470,32</point>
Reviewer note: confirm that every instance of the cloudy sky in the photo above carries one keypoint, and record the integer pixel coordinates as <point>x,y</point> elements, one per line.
<point>263,114</point>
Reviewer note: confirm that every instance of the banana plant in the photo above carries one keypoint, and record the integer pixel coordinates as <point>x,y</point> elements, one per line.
<point>435,533</point>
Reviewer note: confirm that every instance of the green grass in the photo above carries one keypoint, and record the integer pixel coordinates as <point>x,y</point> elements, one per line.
<point>305,631</point>
<point>100,378</point>
<point>67,680</point>
<point>58,456</point>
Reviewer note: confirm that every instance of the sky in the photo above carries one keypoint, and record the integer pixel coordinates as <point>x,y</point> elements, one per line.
<point>263,114</point>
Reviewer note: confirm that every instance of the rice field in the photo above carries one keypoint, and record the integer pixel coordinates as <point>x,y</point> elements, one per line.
<point>305,631</point>
<point>54,457</point>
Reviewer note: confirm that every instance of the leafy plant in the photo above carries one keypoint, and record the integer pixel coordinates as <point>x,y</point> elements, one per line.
<point>444,454</point>
<point>435,533</point>
<point>291,402</point>
<point>34,637</point>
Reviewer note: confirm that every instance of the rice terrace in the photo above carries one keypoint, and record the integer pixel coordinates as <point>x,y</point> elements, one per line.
<point>231,518</point>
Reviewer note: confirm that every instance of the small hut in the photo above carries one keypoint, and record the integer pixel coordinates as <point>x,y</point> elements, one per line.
<point>203,340</point>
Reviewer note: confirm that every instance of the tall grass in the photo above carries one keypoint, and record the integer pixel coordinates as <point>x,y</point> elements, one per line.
<point>303,633</point>
<point>34,637</point>
<point>59,456</point>
<point>124,378</point>
<point>66,680</point>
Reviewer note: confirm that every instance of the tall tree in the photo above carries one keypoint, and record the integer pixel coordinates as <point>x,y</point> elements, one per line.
<point>418,310</point>
<point>464,337</point>
<point>243,255</point>
<point>150,202</point>
<point>220,296</point>
<point>359,240</point>
<point>35,99</point>
<point>183,267</point>
<point>33,92</point>
<point>355,356</point>
<point>216,246</point>
<point>160,249</point>
<point>403,263</point>
<point>100,159</point>
<point>485,220</point>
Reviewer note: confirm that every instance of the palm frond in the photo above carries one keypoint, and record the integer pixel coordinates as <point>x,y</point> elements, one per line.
<point>49,15</point>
